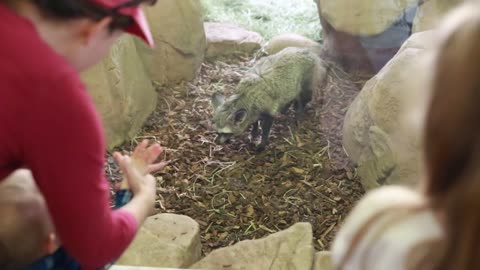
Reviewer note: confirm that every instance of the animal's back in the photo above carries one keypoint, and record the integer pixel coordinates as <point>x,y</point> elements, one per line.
<point>277,80</point>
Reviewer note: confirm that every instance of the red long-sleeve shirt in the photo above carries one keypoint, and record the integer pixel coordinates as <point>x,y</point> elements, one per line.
<point>48,124</point>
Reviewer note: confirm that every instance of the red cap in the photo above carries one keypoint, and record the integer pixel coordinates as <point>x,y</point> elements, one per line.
<point>140,27</point>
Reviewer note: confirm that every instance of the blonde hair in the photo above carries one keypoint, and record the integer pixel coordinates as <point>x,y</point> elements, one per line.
<point>25,224</point>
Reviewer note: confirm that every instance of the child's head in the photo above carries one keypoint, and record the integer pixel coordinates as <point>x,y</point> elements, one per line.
<point>26,231</point>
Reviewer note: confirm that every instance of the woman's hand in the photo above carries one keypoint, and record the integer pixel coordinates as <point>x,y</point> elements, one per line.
<point>134,178</point>
<point>142,158</point>
<point>137,177</point>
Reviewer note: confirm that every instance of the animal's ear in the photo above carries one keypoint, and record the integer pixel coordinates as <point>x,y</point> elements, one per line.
<point>217,100</point>
<point>240,116</point>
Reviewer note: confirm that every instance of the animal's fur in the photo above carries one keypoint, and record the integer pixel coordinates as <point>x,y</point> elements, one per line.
<point>271,86</point>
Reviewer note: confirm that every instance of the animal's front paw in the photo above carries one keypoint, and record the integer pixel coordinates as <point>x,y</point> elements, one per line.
<point>299,117</point>
<point>260,148</point>
<point>254,141</point>
<point>254,138</point>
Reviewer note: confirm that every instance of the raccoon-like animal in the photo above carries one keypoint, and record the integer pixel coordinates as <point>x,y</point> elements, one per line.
<point>274,84</point>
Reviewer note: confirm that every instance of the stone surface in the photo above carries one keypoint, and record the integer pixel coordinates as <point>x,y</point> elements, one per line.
<point>290,249</point>
<point>125,267</point>
<point>379,48</point>
<point>177,28</point>
<point>283,41</point>
<point>227,39</point>
<point>122,91</point>
<point>165,240</point>
<point>360,49</point>
<point>431,12</point>
<point>363,17</point>
<point>323,261</point>
<point>377,133</point>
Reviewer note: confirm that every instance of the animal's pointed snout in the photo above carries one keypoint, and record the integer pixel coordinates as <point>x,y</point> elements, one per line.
<point>223,138</point>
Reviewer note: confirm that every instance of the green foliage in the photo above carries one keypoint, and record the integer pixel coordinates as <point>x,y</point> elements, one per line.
<point>267,17</point>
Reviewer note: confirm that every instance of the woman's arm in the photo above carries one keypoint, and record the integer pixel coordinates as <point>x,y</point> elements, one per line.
<point>63,145</point>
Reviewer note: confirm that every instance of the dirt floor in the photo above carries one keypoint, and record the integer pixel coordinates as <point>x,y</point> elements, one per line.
<point>235,194</point>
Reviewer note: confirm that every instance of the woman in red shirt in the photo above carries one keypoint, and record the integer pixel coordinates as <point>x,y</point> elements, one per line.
<point>49,124</point>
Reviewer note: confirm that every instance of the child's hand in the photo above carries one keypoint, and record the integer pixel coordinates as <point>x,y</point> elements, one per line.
<point>51,244</point>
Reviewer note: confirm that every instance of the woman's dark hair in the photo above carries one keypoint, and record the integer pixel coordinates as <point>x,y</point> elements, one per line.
<point>74,9</point>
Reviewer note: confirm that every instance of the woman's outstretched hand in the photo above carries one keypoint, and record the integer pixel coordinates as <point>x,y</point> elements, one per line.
<point>142,159</point>
<point>137,177</point>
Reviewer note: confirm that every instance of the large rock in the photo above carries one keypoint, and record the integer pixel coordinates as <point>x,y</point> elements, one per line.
<point>323,261</point>
<point>362,36</point>
<point>227,39</point>
<point>286,40</point>
<point>290,249</point>
<point>122,91</point>
<point>377,131</point>
<point>165,240</point>
<point>430,12</point>
<point>126,267</point>
<point>180,43</point>
<point>363,17</point>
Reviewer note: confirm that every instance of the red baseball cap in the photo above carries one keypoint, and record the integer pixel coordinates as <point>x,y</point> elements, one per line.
<point>132,9</point>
